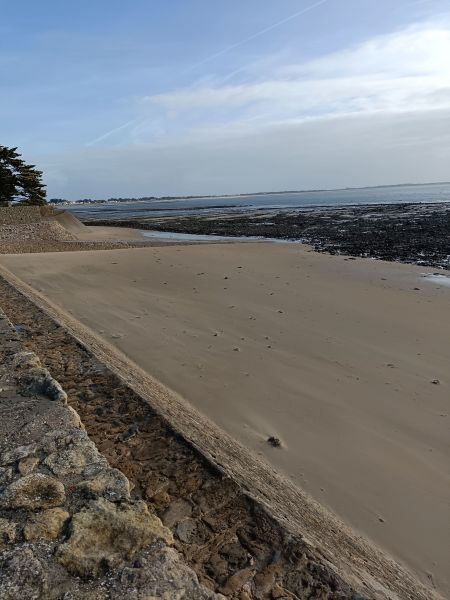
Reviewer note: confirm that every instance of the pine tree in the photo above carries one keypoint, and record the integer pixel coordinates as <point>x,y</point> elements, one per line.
<point>19,182</point>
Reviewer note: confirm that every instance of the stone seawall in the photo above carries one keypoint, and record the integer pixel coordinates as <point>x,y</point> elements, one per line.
<point>68,526</point>
<point>35,233</point>
<point>19,215</point>
<point>30,225</point>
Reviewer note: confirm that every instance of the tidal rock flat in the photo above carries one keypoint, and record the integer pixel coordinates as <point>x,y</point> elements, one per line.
<point>410,233</point>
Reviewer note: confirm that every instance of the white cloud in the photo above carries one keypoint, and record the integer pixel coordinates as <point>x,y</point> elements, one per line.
<point>372,114</point>
<point>340,151</point>
<point>401,72</point>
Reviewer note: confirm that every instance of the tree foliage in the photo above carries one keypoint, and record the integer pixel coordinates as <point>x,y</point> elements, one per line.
<point>19,182</point>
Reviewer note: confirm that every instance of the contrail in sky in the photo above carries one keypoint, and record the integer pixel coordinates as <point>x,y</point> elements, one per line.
<point>257,34</point>
<point>216,55</point>
<point>108,133</point>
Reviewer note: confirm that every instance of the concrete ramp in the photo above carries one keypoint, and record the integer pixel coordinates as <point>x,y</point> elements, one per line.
<point>70,222</point>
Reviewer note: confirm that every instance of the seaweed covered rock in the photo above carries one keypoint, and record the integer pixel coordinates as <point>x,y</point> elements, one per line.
<point>46,525</point>
<point>105,534</point>
<point>35,491</point>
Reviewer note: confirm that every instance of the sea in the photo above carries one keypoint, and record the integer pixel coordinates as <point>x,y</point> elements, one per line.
<point>289,201</point>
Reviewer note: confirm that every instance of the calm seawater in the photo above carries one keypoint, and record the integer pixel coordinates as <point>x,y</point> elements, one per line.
<point>298,200</point>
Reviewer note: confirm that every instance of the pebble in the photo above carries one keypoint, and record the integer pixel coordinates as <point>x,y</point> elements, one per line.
<point>274,441</point>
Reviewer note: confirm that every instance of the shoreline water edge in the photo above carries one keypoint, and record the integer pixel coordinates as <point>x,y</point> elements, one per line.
<point>407,232</point>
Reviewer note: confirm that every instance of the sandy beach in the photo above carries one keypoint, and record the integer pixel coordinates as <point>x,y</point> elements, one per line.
<point>85,233</point>
<point>344,361</point>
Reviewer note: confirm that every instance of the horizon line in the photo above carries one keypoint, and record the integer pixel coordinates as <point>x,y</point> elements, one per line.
<point>263,193</point>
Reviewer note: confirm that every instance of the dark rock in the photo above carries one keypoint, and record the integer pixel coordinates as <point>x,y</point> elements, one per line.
<point>274,441</point>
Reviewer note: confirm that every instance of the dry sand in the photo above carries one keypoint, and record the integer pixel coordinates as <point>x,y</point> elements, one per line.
<point>102,234</point>
<point>87,233</point>
<point>335,357</point>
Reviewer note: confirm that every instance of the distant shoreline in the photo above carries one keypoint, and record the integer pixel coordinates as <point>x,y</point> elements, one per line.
<point>244,194</point>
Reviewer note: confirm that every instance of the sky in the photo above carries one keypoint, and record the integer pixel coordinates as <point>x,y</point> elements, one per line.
<point>184,97</point>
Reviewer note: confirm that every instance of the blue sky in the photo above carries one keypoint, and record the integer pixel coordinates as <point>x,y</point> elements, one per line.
<point>183,97</point>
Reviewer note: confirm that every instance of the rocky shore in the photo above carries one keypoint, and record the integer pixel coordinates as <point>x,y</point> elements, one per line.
<point>68,525</point>
<point>410,233</point>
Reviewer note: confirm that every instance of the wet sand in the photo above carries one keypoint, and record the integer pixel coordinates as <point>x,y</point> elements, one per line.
<point>335,357</point>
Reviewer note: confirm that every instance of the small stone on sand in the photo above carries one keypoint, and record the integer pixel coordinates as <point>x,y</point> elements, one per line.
<point>274,441</point>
